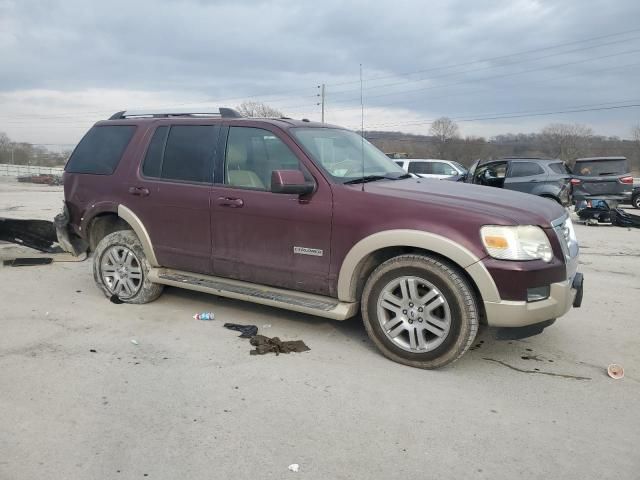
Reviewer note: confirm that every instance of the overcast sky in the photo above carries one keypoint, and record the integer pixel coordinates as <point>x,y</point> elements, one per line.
<point>66,64</point>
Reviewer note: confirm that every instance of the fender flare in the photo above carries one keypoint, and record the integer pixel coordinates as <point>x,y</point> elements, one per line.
<point>445,247</point>
<point>138,227</point>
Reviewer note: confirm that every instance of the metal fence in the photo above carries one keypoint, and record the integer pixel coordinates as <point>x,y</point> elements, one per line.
<point>9,170</point>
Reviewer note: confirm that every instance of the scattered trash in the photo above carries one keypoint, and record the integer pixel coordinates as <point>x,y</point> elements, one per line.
<point>294,467</point>
<point>204,316</point>
<point>46,314</point>
<point>248,331</point>
<point>134,341</point>
<point>623,219</point>
<point>275,345</point>
<point>115,299</point>
<point>268,325</point>
<point>93,350</point>
<point>615,371</point>
<point>28,261</point>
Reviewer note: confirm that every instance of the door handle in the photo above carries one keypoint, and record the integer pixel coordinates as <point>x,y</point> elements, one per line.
<point>139,191</point>
<point>230,202</point>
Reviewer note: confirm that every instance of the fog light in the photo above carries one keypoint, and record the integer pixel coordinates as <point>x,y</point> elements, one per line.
<point>538,293</point>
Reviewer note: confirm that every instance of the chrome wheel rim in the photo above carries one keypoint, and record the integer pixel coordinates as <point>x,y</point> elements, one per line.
<point>414,314</point>
<point>121,271</point>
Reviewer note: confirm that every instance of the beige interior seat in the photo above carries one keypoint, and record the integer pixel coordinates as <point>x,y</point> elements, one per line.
<point>237,173</point>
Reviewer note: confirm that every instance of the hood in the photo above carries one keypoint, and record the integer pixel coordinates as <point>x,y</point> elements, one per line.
<point>514,208</point>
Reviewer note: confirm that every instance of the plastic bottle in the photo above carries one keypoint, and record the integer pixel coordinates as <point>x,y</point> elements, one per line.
<point>204,316</point>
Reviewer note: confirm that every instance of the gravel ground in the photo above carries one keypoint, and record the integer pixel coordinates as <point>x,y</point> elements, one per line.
<point>79,400</point>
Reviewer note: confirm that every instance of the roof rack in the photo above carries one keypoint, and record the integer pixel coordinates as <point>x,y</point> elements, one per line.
<point>167,113</point>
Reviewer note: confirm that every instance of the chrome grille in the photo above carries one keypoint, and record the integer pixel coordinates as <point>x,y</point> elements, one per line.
<point>569,244</point>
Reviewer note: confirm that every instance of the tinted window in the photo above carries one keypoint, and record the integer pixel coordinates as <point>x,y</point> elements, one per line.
<point>400,164</point>
<point>420,167</point>
<point>100,150</point>
<point>560,168</point>
<point>525,169</point>
<point>596,168</point>
<point>153,160</point>
<point>189,152</point>
<point>252,154</point>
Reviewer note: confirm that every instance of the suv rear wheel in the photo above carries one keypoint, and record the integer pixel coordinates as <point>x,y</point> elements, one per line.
<point>420,311</point>
<point>120,268</point>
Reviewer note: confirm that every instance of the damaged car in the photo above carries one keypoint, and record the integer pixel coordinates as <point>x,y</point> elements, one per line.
<point>313,218</point>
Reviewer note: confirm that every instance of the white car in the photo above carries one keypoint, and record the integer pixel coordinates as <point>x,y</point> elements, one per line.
<point>432,167</point>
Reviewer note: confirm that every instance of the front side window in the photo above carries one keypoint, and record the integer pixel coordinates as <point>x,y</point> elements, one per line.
<point>441,168</point>
<point>525,169</point>
<point>100,150</point>
<point>345,155</point>
<point>252,154</point>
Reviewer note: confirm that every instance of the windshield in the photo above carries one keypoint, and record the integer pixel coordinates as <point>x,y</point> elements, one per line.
<point>598,168</point>
<point>341,154</point>
<point>461,167</point>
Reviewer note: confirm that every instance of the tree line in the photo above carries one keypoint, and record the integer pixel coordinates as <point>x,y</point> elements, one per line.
<point>557,140</point>
<point>22,153</point>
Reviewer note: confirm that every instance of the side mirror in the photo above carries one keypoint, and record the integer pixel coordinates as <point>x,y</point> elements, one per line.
<point>290,181</point>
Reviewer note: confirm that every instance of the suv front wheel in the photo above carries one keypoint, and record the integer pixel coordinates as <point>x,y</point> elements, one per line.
<point>420,311</point>
<point>121,268</point>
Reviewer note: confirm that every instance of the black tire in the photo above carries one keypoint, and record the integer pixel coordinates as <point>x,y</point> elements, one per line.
<point>635,201</point>
<point>146,290</point>
<point>454,288</point>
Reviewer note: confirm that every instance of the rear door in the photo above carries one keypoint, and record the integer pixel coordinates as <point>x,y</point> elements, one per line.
<point>601,177</point>
<point>170,193</point>
<point>523,176</point>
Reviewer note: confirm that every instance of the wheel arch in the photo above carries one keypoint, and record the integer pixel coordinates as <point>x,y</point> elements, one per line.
<point>140,230</point>
<point>371,251</point>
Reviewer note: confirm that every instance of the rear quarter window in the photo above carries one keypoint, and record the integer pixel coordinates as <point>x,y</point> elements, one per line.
<point>559,167</point>
<point>100,150</point>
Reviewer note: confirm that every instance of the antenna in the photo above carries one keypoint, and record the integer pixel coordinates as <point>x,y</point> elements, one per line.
<point>362,128</point>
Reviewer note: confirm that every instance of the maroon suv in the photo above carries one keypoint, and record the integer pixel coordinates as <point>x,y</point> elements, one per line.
<point>313,218</point>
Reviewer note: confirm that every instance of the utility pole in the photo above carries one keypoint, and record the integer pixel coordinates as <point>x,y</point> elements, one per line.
<point>322,97</point>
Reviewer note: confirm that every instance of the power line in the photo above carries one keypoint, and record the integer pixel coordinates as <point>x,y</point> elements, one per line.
<point>503,75</point>
<point>489,67</point>
<point>490,59</point>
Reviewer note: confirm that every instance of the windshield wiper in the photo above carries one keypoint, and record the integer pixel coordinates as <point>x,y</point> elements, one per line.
<point>366,179</point>
<point>374,178</point>
<point>608,173</point>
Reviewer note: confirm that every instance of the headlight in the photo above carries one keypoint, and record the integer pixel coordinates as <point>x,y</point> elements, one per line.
<point>526,242</point>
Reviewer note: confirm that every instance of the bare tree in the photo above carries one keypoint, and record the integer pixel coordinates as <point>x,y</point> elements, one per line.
<point>258,110</point>
<point>445,131</point>
<point>566,141</point>
<point>635,133</point>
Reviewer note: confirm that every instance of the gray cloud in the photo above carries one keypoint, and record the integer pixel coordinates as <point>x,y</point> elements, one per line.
<point>186,51</point>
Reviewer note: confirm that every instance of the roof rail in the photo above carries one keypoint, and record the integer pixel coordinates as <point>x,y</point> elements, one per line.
<point>167,113</point>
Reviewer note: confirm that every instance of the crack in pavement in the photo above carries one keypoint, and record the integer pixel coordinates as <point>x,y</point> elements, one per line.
<point>504,364</point>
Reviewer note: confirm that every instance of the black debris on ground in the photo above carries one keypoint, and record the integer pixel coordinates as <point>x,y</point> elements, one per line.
<point>28,261</point>
<point>275,345</point>
<point>248,331</point>
<point>115,299</point>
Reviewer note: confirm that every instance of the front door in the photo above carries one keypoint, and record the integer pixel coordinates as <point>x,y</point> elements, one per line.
<point>276,239</point>
<point>171,195</point>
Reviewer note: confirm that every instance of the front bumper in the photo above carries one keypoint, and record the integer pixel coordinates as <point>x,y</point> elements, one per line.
<point>563,296</point>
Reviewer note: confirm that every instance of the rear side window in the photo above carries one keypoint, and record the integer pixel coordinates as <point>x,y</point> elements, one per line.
<point>100,150</point>
<point>420,167</point>
<point>153,160</point>
<point>560,168</point>
<point>525,169</point>
<point>182,152</point>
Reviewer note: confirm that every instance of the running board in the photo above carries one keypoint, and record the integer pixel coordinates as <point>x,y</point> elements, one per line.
<point>311,304</point>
